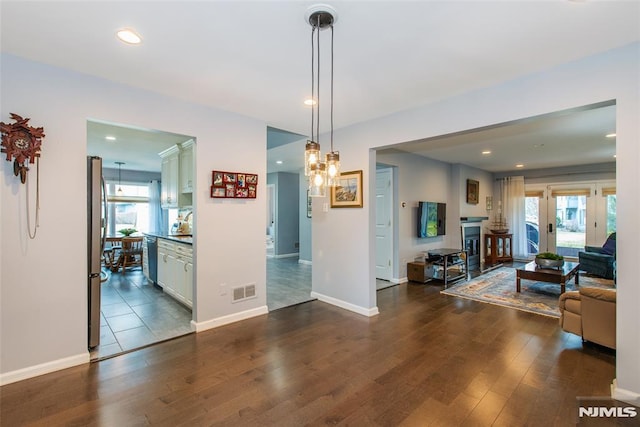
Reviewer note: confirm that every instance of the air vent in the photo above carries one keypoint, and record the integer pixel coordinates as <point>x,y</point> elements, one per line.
<point>250,291</point>
<point>244,292</point>
<point>238,294</point>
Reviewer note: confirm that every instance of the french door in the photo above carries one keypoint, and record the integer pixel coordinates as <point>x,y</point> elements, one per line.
<point>565,218</point>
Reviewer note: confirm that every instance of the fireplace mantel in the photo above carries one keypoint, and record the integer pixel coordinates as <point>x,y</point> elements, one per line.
<point>473,218</point>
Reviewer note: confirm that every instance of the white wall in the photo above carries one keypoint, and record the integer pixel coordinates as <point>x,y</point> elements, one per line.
<point>43,295</point>
<point>345,272</point>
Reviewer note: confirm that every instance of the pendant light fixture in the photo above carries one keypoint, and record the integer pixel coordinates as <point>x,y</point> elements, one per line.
<point>320,17</point>
<point>119,193</point>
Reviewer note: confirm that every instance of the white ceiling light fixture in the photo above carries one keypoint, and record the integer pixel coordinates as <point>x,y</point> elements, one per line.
<point>321,174</point>
<point>519,165</point>
<point>309,102</point>
<point>110,138</point>
<point>486,152</point>
<point>129,36</point>
<point>611,135</point>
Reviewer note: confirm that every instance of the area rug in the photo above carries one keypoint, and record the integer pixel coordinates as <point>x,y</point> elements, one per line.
<point>499,287</point>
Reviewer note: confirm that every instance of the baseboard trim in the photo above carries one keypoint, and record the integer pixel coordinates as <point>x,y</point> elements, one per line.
<point>369,312</point>
<point>44,368</point>
<point>231,318</point>
<point>305,262</point>
<point>399,281</point>
<point>624,395</point>
<point>293,255</point>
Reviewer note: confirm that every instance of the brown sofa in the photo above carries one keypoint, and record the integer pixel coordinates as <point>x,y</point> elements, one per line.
<point>590,313</point>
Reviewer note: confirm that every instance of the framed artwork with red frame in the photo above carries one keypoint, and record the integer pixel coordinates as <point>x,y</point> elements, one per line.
<point>233,185</point>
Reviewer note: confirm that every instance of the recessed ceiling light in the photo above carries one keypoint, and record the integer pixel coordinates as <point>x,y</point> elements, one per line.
<point>129,36</point>
<point>611,135</point>
<point>485,152</point>
<point>279,162</point>
<point>110,138</point>
<point>310,101</point>
<point>614,156</point>
<point>519,165</point>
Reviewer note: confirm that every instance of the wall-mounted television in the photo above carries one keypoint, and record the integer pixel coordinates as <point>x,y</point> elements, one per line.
<point>431,219</point>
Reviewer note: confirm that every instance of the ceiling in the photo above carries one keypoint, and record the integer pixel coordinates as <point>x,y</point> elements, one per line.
<point>253,57</point>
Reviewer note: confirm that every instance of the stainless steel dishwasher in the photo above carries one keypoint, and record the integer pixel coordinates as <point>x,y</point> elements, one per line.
<point>152,254</point>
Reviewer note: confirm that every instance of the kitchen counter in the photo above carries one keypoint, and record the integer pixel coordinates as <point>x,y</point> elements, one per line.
<point>180,238</point>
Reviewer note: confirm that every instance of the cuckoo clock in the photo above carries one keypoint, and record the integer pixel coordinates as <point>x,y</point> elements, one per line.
<point>22,143</point>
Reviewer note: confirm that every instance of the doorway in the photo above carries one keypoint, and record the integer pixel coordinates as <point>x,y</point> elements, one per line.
<point>564,218</point>
<point>384,224</point>
<point>134,311</point>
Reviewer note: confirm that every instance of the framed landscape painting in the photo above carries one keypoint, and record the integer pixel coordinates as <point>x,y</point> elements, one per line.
<point>348,192</point>
<point>473,188</point>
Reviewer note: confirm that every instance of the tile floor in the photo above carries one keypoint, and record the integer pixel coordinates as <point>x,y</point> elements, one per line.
<point>135,313</point>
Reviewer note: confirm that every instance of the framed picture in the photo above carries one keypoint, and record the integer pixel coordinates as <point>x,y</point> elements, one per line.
<point>473,188</point>
<point>348,192</point>
<point>217,178</point>
<point>234,185</point>
<point>218,192</point>
<point>230,190</point>
<point>309,204</point>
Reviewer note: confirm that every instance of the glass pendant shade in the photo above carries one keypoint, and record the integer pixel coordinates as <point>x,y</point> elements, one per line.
<point>318,180</point>
<point>311,156</point>
<point>333,168</point>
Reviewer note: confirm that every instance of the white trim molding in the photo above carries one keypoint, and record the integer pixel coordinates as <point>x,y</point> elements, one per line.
<point>291,255</point>
<point>44,368</point>
<point>305,262</point>
<point>624,395</point>
<point>231,318</point>
<point>369,312</point>
<point>399,281</point>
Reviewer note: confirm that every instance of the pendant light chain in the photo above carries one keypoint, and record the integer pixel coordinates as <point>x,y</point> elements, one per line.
<point>318,85</point>
<point>331,116</point>
<point>313,83</point>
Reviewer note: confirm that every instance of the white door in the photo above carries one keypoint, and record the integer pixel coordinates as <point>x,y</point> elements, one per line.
<point>384,221</point>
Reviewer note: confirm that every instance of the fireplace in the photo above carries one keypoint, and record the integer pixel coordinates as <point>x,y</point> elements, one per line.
<point>471,242</point>
<point>471,239</point>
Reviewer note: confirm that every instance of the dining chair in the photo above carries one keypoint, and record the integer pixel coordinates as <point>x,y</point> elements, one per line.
<point>131,253</point>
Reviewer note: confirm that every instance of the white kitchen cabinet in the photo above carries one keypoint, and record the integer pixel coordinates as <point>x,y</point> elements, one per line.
<point>186,167</point>
<point>175,270</point>
<point>177,176</point>
<point>170,173</point>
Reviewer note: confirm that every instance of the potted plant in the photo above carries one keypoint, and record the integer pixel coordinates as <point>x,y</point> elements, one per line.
<point>549,260</point>
<point>127,231</point>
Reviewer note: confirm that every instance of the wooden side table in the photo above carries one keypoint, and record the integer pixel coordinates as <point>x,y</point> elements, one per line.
<point>498,248</point>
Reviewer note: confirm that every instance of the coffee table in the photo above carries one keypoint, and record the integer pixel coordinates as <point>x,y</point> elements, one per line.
<point>559,275</point>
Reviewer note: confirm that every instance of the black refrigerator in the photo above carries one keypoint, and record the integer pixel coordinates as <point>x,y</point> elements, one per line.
<point>96,236</point>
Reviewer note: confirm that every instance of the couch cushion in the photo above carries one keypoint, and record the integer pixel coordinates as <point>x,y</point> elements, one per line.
<point>609,246</point>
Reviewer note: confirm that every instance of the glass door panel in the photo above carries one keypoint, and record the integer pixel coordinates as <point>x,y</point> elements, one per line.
<point>569,231</point>
<point>532,213</point>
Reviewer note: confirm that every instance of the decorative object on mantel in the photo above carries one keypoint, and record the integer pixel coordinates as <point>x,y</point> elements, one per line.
<point>234,185</point>
<point>321,174</point>
<point>473,189</point>
<point>549,260</point>
<point>22,143</point>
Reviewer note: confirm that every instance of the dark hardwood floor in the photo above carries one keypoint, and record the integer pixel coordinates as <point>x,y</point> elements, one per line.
<point>426,360</point>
